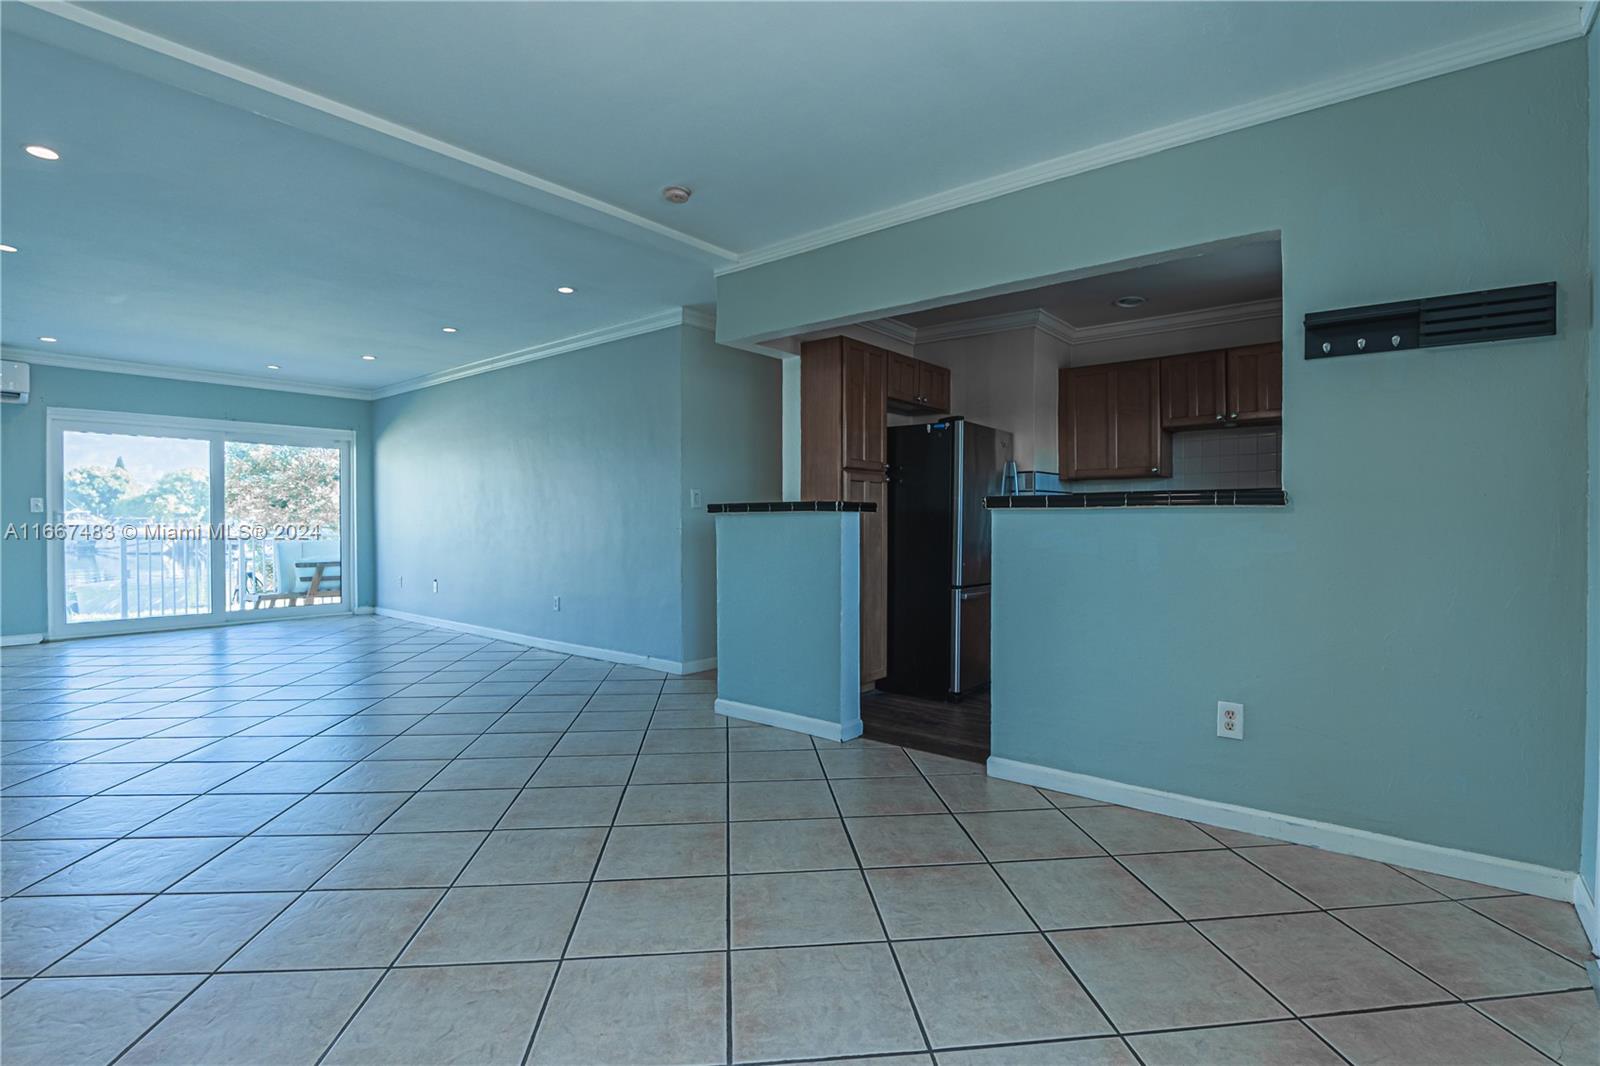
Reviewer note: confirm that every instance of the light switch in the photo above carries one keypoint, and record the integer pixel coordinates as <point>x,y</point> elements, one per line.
<point>36,504</point>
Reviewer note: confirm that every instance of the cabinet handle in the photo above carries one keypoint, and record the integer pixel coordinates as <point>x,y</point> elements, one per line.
<point>1219,418</point>
<point>1155,470</point>
<point>1234,416</point>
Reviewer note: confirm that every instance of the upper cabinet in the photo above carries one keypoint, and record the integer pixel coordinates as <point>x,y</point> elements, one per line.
<point>1194,390</point>
<point>866,378</point>
<point>916,386</point>
<point>1255,383</point>
<point>1110,419</point>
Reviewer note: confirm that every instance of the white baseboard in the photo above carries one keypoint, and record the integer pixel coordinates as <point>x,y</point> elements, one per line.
<point>796,723</point>
<point>626,658</point>
<point>1588,916</point>
<point>12,640</point>
<point>1466,865</point>
<point>366,610</point>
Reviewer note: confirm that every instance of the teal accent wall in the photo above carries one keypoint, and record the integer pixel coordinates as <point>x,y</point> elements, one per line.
<point>788,615</point>
<point>1409,636</point>
<point>566,477</point>
<point>23,569</point>
<point>1591,746</point>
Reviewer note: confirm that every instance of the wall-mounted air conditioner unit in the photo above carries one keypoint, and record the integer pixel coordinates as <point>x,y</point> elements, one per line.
<point>13,382</point>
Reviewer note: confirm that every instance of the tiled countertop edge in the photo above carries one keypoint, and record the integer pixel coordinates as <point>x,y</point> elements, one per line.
<point>789,506</point>
<point>1150,498</point>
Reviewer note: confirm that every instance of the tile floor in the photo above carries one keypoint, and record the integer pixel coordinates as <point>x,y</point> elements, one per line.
<point>360,841</point>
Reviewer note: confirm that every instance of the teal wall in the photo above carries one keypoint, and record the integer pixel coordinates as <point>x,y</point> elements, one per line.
<point>566,477</point>
<point>23,593</point>
<point>1591,747</point>
<point>788,614</point>
<point>1408,637</point>
<point>732,451</point>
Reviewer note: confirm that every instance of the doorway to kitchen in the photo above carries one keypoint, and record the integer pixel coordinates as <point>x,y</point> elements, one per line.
<point>164,522</point>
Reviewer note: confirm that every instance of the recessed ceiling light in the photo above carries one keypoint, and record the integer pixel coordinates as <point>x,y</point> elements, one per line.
<point>449,329</point>
<point>566,290</point>
<point>368,358</point>
<point>1130,301</point>
<point>7,248</point>
<point>677,194</point>
<point>39,151</point>
<point>48,340</point>
<point>274,366</point>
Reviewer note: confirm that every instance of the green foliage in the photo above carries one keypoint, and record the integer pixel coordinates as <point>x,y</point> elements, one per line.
<point>274,484</point>
<point>96,489</point>
<point>181,497</point>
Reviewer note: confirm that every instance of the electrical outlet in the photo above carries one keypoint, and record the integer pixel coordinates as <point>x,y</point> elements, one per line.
<point>436,584</point>
<point>555,604</point>
<point>697,498</point>
<point>36,504</point>
<point>1230,720</point>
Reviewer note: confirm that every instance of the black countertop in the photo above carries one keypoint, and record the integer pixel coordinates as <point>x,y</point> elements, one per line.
<point>1143,498</point>
<point>790,506</point>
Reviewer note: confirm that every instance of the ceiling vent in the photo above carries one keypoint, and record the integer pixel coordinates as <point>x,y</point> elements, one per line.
<point>1465,318</point>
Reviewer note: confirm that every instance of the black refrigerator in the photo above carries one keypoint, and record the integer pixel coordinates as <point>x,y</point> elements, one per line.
<point>939,474</point>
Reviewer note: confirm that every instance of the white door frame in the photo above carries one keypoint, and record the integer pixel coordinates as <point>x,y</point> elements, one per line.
<point>58,420</point>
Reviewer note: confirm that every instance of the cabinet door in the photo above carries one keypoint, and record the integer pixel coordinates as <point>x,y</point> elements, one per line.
<point>1111,422</point>
<point>1084,410</point>
<point>866,380</point>
<point>1255,383</point>
<point>1139,439</point>
<point>866,486</point>
<point>903,378</point>
<point>933,386</point>
<point>1194,390</point>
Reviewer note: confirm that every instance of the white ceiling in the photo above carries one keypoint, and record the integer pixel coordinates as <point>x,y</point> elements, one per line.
<point>301,182</point>
<point>1244,273</point>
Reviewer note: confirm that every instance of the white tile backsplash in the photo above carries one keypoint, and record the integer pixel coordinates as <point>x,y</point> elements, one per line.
<point>1241,457</point>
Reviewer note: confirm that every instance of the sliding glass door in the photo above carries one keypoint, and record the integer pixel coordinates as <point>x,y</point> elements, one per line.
<point>161,523</point>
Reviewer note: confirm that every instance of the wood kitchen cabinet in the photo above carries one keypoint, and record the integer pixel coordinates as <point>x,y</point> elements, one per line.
<point>1194,390</point>
<point>916,386</point>
<point>844,387</point>
<point>1255,383</point>
<point>865,486</point>
<point>1110,422</point>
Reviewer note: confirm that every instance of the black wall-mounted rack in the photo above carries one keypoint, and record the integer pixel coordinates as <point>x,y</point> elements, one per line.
<point>1465,318</point>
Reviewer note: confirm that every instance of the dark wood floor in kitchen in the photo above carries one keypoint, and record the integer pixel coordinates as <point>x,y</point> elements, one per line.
<point>959,729</point>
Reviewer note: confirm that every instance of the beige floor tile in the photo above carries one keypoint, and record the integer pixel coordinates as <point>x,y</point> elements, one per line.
<point>1277,1043</point>
<point>1124,831</point>
<point>1083,893</point>
<point>664,851</point>
<point>1093,1051</point>
<point>497,923</point>
<point>1331,880</point>
<point>1163,977</point>
<point>469,1014</point>
<point>1550,922</point>
<point>911,840</point>
<point>885,795</point>
<point>1425,1036</point>
<point>945,901</point>
<point>810,1002</point>
<point>1006,836</point>
<point>1565,1026</point>
<point>970,792</point>
<point>817,907</point>
<point>528,856</point>
<point>803,844</point>
<point>1315,965</point>
<point>1212,884</point>
<point>652,1009</point>
<point>652,916</point>
<point>1464,951</point>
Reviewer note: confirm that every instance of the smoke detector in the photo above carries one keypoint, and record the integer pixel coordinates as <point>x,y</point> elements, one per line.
<point>676,194</point>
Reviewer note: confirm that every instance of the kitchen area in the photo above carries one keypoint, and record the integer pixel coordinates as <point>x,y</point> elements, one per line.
<point>1155,386</point>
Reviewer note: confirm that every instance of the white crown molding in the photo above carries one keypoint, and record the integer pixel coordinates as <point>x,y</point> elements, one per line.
<point>179,373</point>
<point>1586,13</point>
<point>1486,48</point>
<point>678,316</point>
<point>1229,315</point>
<point>1066,332</point>
<point>294,94</point>
<point>706,320</point>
